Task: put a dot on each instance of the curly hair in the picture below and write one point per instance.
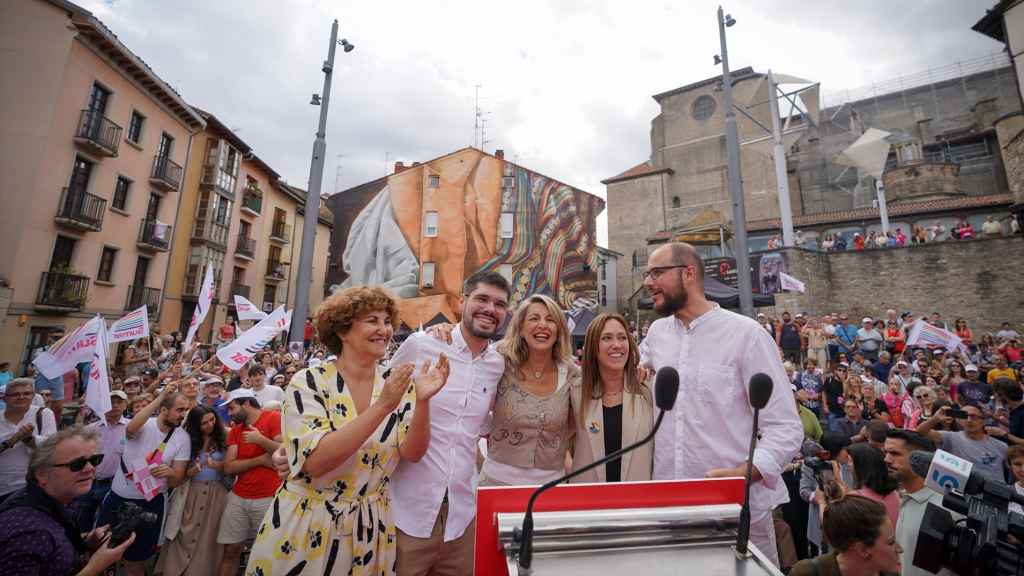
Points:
(336, 315)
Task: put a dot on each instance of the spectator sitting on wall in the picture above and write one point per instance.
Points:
(991, 228)
(840, 244)
(858, 242)
(901, 238)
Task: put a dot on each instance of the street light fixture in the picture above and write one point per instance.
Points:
(732, 145)
(348, 46)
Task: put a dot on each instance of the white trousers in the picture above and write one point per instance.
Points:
(762, 534)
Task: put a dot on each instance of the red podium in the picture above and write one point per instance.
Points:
(492, 501)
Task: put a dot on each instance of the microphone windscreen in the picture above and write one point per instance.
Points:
(666, 388)
(920, 462)
(760, 390)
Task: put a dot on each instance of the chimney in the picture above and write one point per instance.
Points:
(499, 154)
(399, 166)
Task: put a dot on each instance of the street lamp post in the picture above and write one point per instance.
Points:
(732, 145)
(316, 175)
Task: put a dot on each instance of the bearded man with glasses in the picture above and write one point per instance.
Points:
(38, 534)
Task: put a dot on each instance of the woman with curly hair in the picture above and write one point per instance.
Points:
(345, 426)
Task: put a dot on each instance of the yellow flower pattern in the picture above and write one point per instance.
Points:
(341, 523)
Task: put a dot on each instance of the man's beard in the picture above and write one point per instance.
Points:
(238, 418)
(470, 325)
(671, 304)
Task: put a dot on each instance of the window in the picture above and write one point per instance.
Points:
(507, 182)
(269, 296)
(676, 202)
(604, 296)
(703, 108)
(427, 275)
(433, 181)
(430, 224)
(506, 271)
(135, 127)
(106, 271)
(508, 221)
(166, 145)
(120, 200)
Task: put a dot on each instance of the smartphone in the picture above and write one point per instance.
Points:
(958, 414)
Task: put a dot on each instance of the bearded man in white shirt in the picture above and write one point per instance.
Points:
(716, 352)
(433, 501)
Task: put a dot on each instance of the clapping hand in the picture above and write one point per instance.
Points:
(395, 386)
(431, 379)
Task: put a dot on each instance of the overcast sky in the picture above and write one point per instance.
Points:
(566, 84)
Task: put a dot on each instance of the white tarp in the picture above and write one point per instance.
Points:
(868, 153)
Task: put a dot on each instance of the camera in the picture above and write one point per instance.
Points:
(127, 518)
(985, 541)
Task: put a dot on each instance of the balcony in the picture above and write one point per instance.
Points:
(281, 233)
(80, 210)
(276, 270)
(252, 202)
(166, 174)
(97, 134)
(154, 236)
(245, 248)
(62, 291)
(139, 296)
(239, 290)
(194, 280)
(212, 232)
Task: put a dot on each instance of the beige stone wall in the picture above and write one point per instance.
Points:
(635, 211)
(1010, 131)
(922, 181)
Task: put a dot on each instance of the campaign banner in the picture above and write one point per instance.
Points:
(247, 310)
(790, 283)
(132, 326)
(923, 333)
(202, 307)
(97, 388)
(69, 351)
(249, 343)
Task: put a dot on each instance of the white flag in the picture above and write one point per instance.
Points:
(97, 388)
(249, 343)
(790, 283)
(132, 326)
(69, 351)
(205, 300)
(923, 333)
(247, 310)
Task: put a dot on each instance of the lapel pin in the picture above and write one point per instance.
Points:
(594, 427)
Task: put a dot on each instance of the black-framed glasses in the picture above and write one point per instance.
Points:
(656, 272)
(78, 464)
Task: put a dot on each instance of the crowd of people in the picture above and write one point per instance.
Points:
(360, 456)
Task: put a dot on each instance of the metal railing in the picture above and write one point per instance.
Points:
(275, 270)
(211, 232)
(281, 232)
(252, 201)
(166, 173)
(245, 246)
(63, 290)
(240, 290)
(80, 209)
(98, 131)
(154, 234)
(139, 295)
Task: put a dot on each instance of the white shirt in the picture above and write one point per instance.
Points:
(711, 423)
(112, 442)
(14, 460)
(269, 393)
(146, 440)
(457, 416)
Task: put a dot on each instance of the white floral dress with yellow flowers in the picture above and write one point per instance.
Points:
(339, 523)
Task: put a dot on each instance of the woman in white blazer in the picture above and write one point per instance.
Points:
(612, 407)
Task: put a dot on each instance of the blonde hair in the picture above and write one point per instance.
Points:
(591, 380)
(514, 344)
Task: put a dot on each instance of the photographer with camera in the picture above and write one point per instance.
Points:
(863, 539)
(972, 443)
(156, 454)
(38, 532)
(821, 466)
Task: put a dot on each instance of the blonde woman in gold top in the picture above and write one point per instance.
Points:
(532, 427)
(612, 406)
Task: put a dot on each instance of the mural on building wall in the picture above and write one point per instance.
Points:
(552, 249)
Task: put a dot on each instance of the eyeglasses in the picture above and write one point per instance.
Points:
(656, 272)
(973, 417)
(20, 394)
(78, 464)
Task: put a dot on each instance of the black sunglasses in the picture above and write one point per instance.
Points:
(78, 464)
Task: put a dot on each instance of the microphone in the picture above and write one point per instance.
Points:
(943, 472)
(666, 388)
(760, 392)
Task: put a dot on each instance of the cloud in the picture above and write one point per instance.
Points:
(566, 84)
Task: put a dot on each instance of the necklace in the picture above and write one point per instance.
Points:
(537, 374)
